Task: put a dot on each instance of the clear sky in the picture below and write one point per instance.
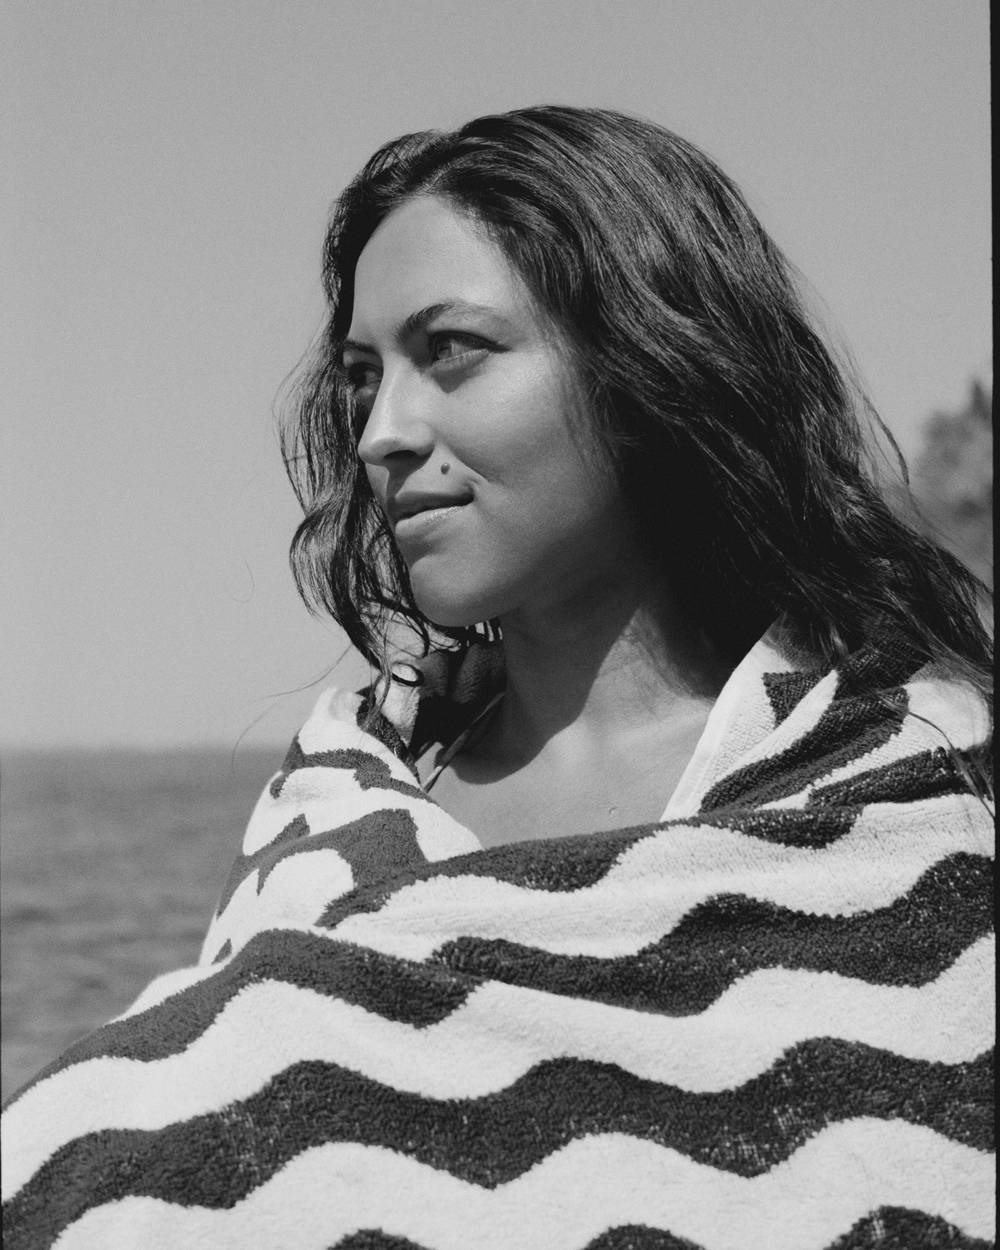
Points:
(171, 166)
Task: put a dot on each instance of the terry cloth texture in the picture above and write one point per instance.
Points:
(762, 1024)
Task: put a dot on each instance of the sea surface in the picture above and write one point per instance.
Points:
(111, 864)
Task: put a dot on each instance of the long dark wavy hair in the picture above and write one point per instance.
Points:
(736, 436)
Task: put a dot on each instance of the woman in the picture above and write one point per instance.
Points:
(691, 945)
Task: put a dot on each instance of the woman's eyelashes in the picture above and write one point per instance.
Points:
(360, 375)
(445, 351)
(447, 346)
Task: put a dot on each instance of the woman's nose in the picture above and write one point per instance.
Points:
(397, 424)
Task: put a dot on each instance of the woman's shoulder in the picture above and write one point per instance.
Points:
(880, 724)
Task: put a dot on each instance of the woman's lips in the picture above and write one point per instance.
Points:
(418, 524)
(405, 503)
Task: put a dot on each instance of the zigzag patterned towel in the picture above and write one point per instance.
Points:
(762, 1024)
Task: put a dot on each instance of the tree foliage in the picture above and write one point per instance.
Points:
(952, 480)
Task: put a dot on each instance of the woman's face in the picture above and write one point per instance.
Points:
(467, 419)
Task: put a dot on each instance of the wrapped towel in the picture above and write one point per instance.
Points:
(764, 1023)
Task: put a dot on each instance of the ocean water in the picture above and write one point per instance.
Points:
(111, 863)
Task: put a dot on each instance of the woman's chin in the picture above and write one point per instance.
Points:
(450, 610)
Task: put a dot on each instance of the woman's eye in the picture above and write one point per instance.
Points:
(362, 381)
(362, 377)
(449, 345)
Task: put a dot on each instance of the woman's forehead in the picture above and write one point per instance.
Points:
(425, 254)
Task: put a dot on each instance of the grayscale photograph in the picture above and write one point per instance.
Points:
(497, 648)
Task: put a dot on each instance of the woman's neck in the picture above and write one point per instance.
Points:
(598, 670)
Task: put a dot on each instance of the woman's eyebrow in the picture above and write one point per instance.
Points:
(419, 320)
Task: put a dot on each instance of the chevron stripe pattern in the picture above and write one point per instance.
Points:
(765, 1023)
